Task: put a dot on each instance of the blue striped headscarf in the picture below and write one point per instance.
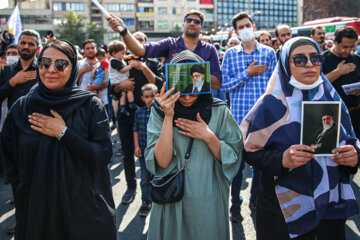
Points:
(319, 189)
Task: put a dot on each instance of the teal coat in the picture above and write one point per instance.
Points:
(203, 211)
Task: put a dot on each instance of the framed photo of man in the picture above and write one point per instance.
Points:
(188, 78)
(320, 126)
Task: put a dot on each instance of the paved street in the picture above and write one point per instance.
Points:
(132, 227)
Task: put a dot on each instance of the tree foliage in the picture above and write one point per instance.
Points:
(72, 29)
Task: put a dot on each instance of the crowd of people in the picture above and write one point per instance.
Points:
(58, 111)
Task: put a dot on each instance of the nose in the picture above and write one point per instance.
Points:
(51, 68)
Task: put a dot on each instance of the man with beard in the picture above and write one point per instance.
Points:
(342, 67)
(16, 79)
(318, 34)
(170, 47)
(88, 64)
(199, 81)
(325, 138)
(282, 34)
(246, 70)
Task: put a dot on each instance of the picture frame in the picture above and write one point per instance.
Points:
(188, 78)
(320, 126)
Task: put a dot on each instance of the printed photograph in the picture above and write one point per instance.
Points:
(320, 126)
(188, 78)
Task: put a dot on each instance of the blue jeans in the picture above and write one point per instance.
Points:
(236, 199)
(145, 181)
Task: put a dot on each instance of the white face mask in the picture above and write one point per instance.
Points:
(295, 83)
(246, 34)
(11, 59)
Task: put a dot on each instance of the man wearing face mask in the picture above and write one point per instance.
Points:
(12, 54)
(246, 70)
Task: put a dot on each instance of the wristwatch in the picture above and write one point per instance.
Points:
(62, 133)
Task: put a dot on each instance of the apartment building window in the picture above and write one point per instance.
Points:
(177, 24)
(146, 0)
(146, 9)
(129, 21)
(62, 6)
(146, 25)
(162, 24)
(162, 10)
(121, 7)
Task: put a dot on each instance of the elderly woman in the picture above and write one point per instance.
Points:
(56, 142)
(215, 156)
(301, 196)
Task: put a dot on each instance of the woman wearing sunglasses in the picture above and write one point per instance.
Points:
(301, 196)
(56, 142)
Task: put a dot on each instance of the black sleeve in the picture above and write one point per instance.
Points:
(8, 150)
(98, 147)
(5, 88)
(324, 67)
(117, 64)
(156, 68)
(269, 161)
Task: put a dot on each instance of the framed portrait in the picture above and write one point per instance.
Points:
(188, 78)
(320, 126)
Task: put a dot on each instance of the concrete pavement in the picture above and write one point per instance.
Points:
(133, 227)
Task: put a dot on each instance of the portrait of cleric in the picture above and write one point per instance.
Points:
(321, 130)
(199, 82)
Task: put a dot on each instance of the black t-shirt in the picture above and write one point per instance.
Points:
(116, 64)
(330, 63)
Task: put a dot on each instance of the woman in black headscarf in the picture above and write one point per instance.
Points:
(57, 144)
(215, 158)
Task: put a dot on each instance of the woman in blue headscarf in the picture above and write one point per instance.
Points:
(301, 196)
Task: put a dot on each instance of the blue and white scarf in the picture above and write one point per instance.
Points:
(319, 189)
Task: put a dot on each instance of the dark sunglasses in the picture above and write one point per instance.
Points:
(59, 64)
(301, 61)
(150, 96)
(189, 20)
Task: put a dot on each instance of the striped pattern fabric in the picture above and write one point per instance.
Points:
(319, 189)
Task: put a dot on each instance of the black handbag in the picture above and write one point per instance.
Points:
(170, 188)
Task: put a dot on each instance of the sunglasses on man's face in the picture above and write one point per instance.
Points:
(301, 61)
(60, 64)
(189, 20)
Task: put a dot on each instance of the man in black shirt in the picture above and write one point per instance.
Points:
(16, 79)
(144, 71)
(343, 67)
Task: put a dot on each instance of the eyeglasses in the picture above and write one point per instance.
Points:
(301, 61)
(60, 64)
(150, 96)
(12, 53)
(189, 20)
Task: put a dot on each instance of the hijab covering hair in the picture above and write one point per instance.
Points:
(202, 104)
(40, 99)
(320, 189)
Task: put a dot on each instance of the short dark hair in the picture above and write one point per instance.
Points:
(280, 26)
(264, 33)
(100, 52)
(313, 30)
(88, 41)
(2, 54)
(31, 32)
(347, 32)
(50, 33)
(195, 12)
(239, 17)
(64, 47)
(116, 46)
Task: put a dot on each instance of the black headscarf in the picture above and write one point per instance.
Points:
(202, 104)
(40, 99)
